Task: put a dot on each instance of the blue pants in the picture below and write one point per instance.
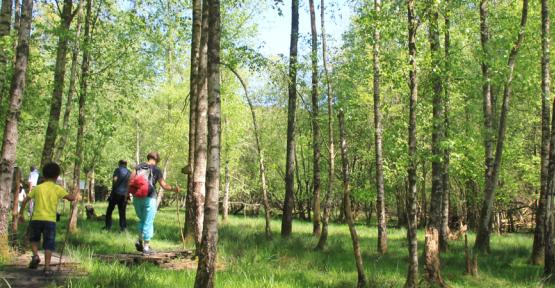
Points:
(145, 208)
(47, 230)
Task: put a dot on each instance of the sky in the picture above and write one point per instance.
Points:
(275, 30)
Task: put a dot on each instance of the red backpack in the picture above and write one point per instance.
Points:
(140, 184)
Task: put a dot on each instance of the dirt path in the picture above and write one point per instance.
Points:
(18, 274)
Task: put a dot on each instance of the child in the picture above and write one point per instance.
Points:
(43, 220)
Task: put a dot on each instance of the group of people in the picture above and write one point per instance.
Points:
(46, 195)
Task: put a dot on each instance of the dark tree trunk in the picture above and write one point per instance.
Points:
(82, 116)
(412, 276)
(444, 227)
(315, 126)
(380, 194)
(483, 235)
(289, 201)
(16, 189)
(207, 259)
(11, 137)
(201, 126)
(59, 80)
(347, 202)
(331, 152)
(72, 87)
(433, 225)
(193, 96)
(538, 249)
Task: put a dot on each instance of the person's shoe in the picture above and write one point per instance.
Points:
(48, 272)
(147, 250)
(34, 264)
(139, 245)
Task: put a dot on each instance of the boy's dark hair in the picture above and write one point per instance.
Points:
(51, 170)
(33, 168)
(122, 163)
(153, 155)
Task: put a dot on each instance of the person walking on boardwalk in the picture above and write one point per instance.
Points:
(33, 181)
(43, 221)
(143, 188)
(118, 197)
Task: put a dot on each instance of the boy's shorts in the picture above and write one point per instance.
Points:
(48, 231)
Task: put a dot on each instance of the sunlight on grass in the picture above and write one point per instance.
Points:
(252, 261)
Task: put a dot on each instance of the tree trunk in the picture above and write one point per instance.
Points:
(483, 235)
(16, 189)
(433, 224)
(193, 96)
(160, 196)
(5, 28)
(59, 80)
(444, 227)
(72, 87)
(538, 249)
(289, 201)
(10, 139)
(225, 204)
(331, 152)
(380, 194)
(347, 201)
(262, 168)
(137, 142)
(81, 122)
(316, 230)
(201, 126)
(207, 259)
(412, 276)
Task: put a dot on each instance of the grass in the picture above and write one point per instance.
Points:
(252, 261)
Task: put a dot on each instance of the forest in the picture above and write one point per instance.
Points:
(330, 143)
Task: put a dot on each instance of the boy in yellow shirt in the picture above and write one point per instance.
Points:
(43, 221)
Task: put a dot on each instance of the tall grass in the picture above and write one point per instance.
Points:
(250, 260)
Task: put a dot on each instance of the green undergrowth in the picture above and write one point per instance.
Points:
(250, 260)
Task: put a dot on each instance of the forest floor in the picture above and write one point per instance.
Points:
(247, 259)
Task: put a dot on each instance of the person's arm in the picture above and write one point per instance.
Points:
(72, 197)
(23, 205)
(168, 187)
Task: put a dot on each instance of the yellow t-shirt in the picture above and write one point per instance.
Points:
(46, 197)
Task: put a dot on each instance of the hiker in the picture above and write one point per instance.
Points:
(43, 221)
(120, 183)
(143, 187)
(32, 181)
(21, 197)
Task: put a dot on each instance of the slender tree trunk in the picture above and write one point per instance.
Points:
(201, 126)
(225, 201)
(412, 276)
(331, 152)
(539, 233)
(59, 80)
(444, 227)
(483, 235)
(10, 139)
(5, 28)
(81, 121)
(316, 230)
(193, 96)
(16, 189)
(433, 224)
(207, 259)
(160, 195)
(262, 168)
(72, 87)
(289, 201)
(380, 194)
(137, 142)
(347, 201)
